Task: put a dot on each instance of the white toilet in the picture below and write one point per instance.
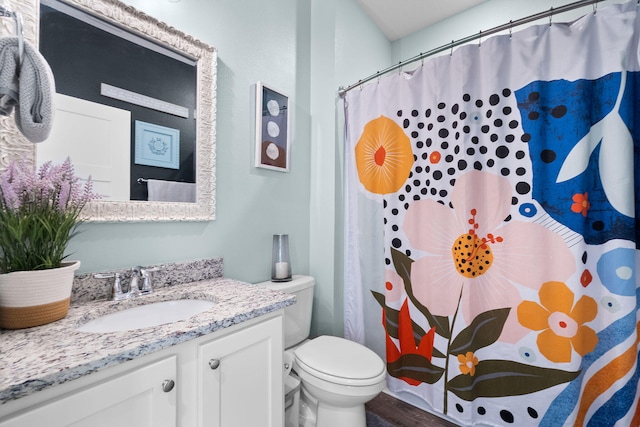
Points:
(338, 376)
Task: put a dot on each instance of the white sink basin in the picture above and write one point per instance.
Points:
(146, 316)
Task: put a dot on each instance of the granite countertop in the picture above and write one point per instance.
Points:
(37, 358)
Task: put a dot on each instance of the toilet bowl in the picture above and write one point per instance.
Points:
(337, 376)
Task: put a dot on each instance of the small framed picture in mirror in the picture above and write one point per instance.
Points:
(157, 145)
(272, 129)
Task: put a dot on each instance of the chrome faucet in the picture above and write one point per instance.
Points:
(144, 274)
(137, 273)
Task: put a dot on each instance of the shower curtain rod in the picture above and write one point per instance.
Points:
(454, 43)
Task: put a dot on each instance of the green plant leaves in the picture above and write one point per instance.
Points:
(416, 367)
(483, 331)
(500, 378)
(39, 212)
(34, 239)
(402, 263)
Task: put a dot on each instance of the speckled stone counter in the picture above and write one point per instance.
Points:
(37, 358)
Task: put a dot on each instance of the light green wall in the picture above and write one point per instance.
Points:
(344, 45)
(486, 15)
(256, 41)
(306, 49)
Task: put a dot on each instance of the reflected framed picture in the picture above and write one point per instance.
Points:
(157, 145)
(272, 129)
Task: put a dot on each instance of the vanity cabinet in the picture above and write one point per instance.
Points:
(138, 398)
(232, 377)
(240, 378)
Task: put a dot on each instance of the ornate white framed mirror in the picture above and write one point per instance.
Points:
(148, 31)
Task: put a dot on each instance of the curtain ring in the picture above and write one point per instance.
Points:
(399, 67)
(378, 74)
(511, 28)
(451, 53)
(595, 7)
(550, 16)
(480, 39)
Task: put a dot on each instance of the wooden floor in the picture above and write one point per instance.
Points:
(401, 414)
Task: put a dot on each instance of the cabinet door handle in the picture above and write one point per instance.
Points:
(214, 363)
(167, 385)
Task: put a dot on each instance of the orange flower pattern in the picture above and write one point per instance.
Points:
(580, 203)
(383, 156)
(561, 322)
(468, 363)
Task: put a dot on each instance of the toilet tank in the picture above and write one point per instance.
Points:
(297, 317)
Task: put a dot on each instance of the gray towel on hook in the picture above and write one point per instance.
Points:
(27, 88)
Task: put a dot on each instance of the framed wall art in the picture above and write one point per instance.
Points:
(272, 129)
(157, 145)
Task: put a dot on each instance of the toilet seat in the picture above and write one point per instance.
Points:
(340, 361)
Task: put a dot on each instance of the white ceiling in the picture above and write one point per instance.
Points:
(399, 18)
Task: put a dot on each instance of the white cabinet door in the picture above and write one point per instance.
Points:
(241, 378)
(133, 399)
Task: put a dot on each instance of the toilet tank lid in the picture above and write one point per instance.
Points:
(296, 283)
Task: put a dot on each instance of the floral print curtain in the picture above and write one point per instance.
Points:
(492, 226)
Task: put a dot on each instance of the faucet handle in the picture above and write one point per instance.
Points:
(116, 291)
(136, 275)
(145, 273)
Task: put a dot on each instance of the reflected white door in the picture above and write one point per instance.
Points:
(105, 155)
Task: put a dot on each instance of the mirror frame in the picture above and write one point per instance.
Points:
(13, 145)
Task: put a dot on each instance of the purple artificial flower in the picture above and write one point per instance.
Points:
(50, 187)
(39, 209)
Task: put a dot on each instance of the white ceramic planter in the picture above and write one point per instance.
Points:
(34, 298)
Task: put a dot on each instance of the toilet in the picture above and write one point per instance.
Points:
(337, 376)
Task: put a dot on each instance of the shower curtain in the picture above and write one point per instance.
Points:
(492, 225)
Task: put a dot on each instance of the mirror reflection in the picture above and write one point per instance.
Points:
(98, 136)
(125, 107)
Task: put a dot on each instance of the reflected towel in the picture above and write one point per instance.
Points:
(171, 191)
(28, 87)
